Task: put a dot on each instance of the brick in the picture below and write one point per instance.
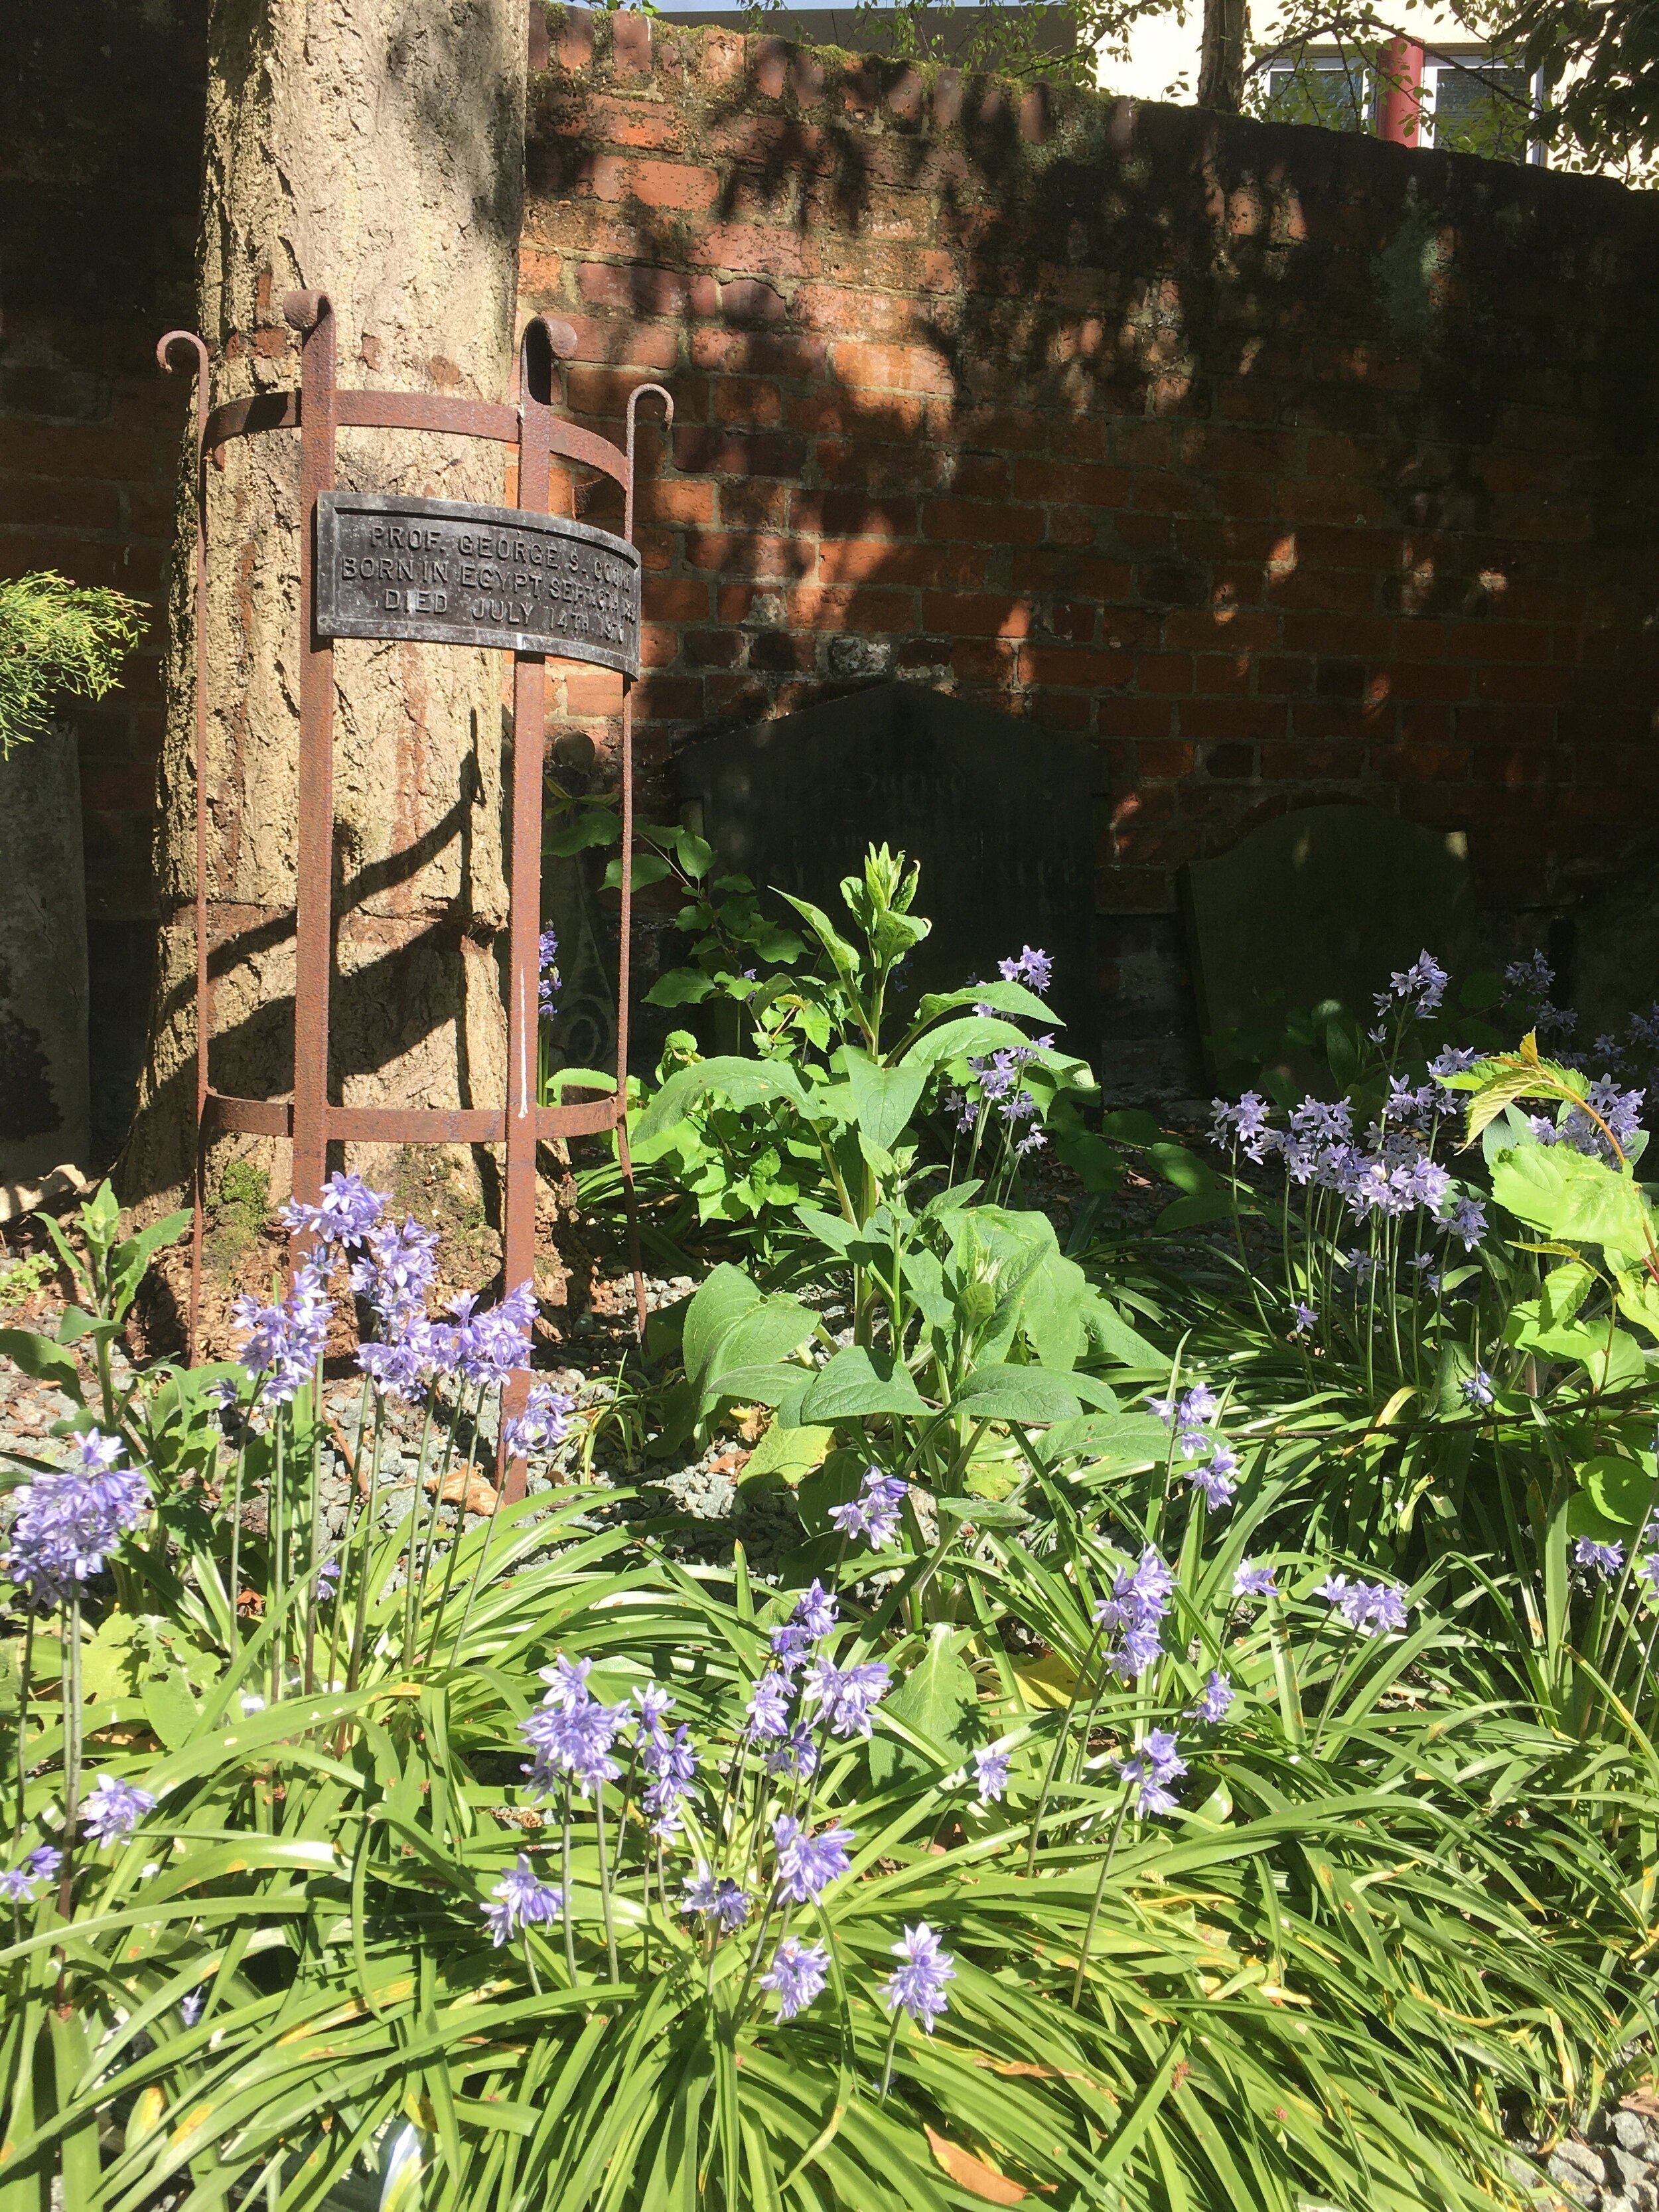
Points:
(853, 514)
(674, 186)
(631, 43)
(890, 368)
(641, 290)
(737, 453)
(1074, 666)
(674, 598)
(975, 614)
(49, 500)
(760, 353)
(652, 126)
(983, 521)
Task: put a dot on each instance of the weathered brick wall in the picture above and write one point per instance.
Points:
(100, 148)
(1292, 466)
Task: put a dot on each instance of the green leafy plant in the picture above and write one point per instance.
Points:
(57, 637)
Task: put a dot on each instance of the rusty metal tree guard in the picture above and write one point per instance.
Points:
(539, 586)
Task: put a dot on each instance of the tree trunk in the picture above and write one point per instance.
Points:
(1221, 61)
(376, 153)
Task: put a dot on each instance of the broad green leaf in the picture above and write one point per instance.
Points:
(1027, 1394)
(1113, 1442)
(42, 1360)
(172, 1710)
(842, 958)
(855, 1383)
(968, 1038)
(1184, 1168)
(1006, 998)
(648, 868)
(734, 1082)
(1615, 1495)
(721, 1299)
(791, 1453)
(681, 986)
(593, 825)
(938, 1699)
(759, 1337)
(757, 1386)
(1570, 1196)
(883, 1098)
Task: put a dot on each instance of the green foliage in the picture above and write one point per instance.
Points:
(57, 637)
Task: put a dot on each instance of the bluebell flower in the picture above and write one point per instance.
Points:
(1306, 1319)
(1216, 1700)
(769, 1706)
(1466, 1220)
(918, 1987)
(114, 1809)
(792, 1646)
(1034, 968)
(719, 1899)
(807, 1864)
(542, 1426)
(571, 1732)
(190, 2006)
(1455, 1059)
(798, 1754)
(521, 1901)
(874, 1513)
(817, 1611)
(1149, 1769)
(1604, 1559)
(44, 1861)
(671, 1762)
(68, 1521)
(1477, 1389)
(1421, 987)
(1245, 1125)
(547, 973)
(990, 1774)
(1135, 1613)
(849, 1695)
(18, 1886)
(1368, 1607)
(285, 1341)
(347, 1213)
(798, 1972)
(1250, 1581)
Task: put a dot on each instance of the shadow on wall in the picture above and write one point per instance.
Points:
(1290, 468)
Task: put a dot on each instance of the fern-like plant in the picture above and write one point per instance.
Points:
(57, 636)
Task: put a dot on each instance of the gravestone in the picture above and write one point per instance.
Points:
(1000, 814)
(1323, 903)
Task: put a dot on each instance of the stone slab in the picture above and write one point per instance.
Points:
(1001, 814)
(1324, 903)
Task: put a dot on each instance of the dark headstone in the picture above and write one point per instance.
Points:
(1324, 903)
(1001, 816)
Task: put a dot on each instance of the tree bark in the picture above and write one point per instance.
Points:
(1221, 59)
(375, 153)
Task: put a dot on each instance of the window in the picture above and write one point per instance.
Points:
(1335, 91)
(1475, 105)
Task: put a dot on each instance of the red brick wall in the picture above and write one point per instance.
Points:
(101, 143)
(1293, 466)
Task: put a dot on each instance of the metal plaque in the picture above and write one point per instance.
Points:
(439, 570)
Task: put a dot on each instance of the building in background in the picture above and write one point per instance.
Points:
(1439, 87)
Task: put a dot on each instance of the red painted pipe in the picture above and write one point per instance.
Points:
(1401, 116)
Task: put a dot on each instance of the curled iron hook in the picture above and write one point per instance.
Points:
(639, 392)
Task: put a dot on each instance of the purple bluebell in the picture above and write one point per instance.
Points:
(345, 1217)
(522, 1902)
(396, 1274)
(1306, 1319)
(990, 1774)
(285, 1341)
(654, 1703)
(1477, 1389)
(571, 1732)
(798, 1754)
(1034, 968)
(716, 1898)
(1033, 1141)
(1250, 1580)
(1149, 1769)
(1217, 1701)
(18, 1886)
(1421, 987)
(798, 1972)
(807, 1864)
(1368, 1607)
(769, 1706)
(490, 1347)
(1466, 1220)
(961, 1111)
(1213, 1478)
(547, 973)
(1604, 1559)
(1455, 1059)
(190, 2006)
(671, 1765)
(45, 1860)
(114, 1809)
(68, 1521)
(817, 1611)
(543, 1426)
(918, 1987)
(874, 1513)
(848, 1695)
(328, 1580)
(1135, 1613)
(792, 1646)
(1245, 1125)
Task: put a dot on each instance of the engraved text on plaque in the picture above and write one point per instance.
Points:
(455, 574)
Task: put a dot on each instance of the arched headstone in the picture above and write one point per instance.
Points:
(1001, 815)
